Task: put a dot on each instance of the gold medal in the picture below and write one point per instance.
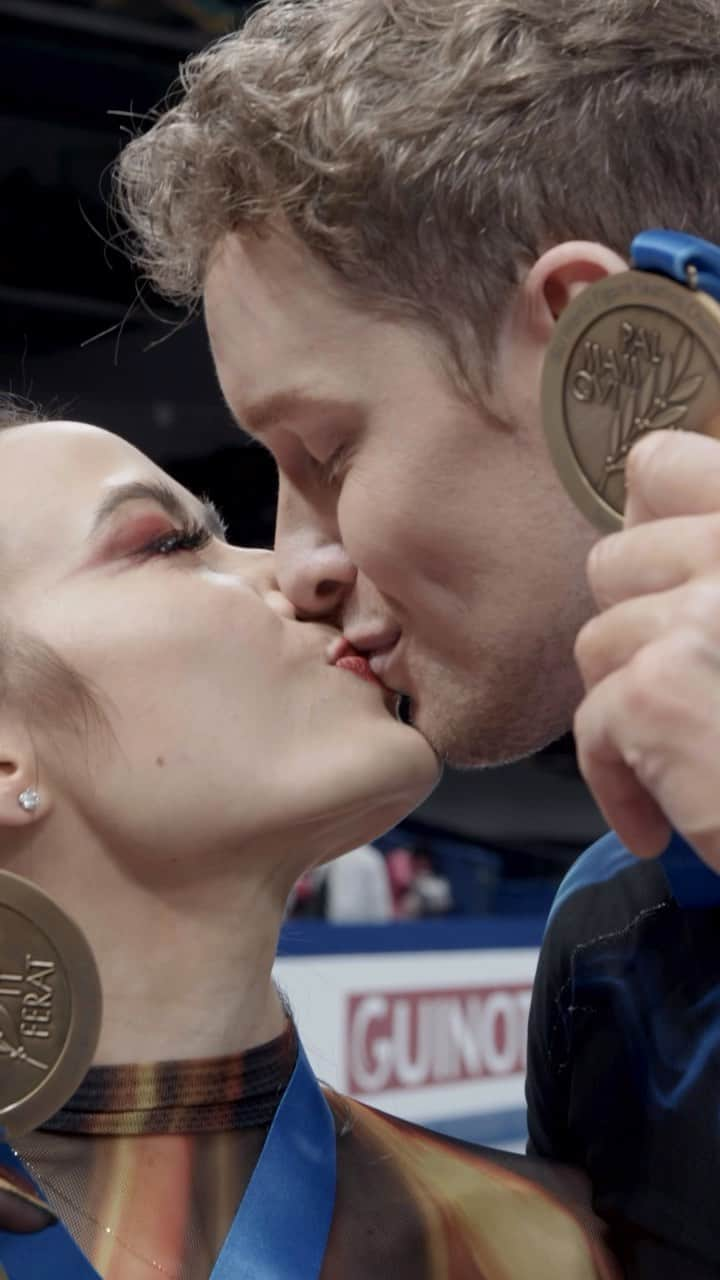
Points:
(50, 1006)
(634, 353)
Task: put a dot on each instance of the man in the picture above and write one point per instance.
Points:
(386, 207)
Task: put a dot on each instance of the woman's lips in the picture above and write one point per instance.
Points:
(360, 667)
(343, 654)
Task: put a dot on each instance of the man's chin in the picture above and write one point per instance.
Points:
(456, 741)
(449, 741)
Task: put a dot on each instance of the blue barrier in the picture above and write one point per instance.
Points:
(454, 933)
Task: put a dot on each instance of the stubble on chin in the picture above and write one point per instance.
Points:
(480, 728)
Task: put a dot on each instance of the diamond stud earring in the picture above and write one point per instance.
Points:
(29, 799)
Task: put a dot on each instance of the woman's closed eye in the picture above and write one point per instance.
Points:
(144, 534)
(192, 536)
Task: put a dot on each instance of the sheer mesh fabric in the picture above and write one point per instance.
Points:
(147, 1164)
(410, 1205)
(141, 1208)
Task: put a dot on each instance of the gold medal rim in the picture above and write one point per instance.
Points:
(83, 979)
(696, 310)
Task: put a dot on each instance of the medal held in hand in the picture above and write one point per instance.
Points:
(50, 1006)
(634, 353)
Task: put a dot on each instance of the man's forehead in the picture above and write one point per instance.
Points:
(293, 407)
(269, 383)
(282, 334)
(268, 300)
(268, 372)
(274, 264)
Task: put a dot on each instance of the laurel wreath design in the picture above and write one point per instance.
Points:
(661, 403)
(9, 1044)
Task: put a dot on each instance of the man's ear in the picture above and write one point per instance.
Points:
(18, 774)
(558, 276)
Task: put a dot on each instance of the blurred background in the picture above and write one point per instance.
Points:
(410, 963)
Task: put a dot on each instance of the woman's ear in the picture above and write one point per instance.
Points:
(558, 276)
(21, 800)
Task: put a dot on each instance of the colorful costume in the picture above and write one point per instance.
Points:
(146, 1167)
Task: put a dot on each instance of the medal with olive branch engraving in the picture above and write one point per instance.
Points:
(50, 1006)
(634, 353)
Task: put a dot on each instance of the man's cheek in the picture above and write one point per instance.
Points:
(377, 536)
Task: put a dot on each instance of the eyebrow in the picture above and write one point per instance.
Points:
(163, 496)
(283, 406)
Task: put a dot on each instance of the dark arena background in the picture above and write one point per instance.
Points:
(476, 867)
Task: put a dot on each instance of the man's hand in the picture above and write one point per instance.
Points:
(648, 731)
(21, 1210)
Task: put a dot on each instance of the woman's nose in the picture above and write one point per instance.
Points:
(263, 578)
(280, 604)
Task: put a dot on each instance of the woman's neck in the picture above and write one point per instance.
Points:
(202, 987)
(185, 972)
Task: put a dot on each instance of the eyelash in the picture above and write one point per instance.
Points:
(192, 536)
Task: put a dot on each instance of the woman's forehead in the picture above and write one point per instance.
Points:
(64, 436)
(52, 477)
(62, 462)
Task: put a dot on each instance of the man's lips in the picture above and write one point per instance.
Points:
(380, 662)
(368, 643)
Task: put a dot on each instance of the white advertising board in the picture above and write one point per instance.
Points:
(435, 1037)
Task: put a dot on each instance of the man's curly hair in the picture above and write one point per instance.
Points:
(428, 150)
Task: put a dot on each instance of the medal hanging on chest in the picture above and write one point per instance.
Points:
(282, 1224)
(50, 1011)
(50, 1006)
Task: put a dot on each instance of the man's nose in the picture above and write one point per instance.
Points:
(313, 568)
(315, 576)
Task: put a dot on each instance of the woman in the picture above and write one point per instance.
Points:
(175, 749)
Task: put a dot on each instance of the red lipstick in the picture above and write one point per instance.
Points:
(360, 667)
(350, 660)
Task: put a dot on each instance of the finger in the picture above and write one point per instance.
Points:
(611, 639)
(627, 805)
(21, 1209)
(673, 473)
(653, 557)
(648, 741)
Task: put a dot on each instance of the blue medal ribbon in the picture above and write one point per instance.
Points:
(281, 1228)
(692, 262)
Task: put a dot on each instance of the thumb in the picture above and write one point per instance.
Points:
(21, 1208)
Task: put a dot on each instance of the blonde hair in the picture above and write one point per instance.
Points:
(428, 150)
